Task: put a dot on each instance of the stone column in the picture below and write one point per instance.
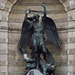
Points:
(3, 39)
(5, 7)
(71, 38)
(70, 9)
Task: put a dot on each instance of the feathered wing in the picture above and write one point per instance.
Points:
(51, 31)
(26, 35)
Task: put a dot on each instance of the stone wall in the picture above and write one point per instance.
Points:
(70, 9)
(11, 18)
(5, 7)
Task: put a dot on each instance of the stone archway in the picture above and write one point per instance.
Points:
(5, 9)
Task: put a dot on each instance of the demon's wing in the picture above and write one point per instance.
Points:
(26, 35)
(51, 31)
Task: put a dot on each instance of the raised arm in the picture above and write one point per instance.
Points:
(26, 14)
(45, 12)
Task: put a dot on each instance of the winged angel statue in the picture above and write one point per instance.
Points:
(33, 29)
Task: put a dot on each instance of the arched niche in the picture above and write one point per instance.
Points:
(16, 16)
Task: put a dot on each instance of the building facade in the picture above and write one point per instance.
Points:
(12, 14)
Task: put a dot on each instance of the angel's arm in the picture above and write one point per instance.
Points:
(45, 12)
(28, 18)
(26, 14)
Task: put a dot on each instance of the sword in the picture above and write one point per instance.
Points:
(35, 11)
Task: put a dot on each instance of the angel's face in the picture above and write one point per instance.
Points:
(36, 17)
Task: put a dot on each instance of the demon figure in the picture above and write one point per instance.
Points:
(33, 29)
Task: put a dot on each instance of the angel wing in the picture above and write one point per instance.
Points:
(51, 31)
(26, 34)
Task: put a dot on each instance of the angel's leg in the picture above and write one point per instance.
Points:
(36, 55)
(34, 42)
(44, 50)
(43, 46)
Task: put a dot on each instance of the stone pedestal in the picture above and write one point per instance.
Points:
(34, 72)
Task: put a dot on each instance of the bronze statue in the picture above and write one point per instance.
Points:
(35, 29)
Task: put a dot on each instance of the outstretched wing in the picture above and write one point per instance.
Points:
(26, 35)
(51, 31)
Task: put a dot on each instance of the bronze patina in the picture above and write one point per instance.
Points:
(33, 29)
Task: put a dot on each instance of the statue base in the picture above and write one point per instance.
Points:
(34, 72)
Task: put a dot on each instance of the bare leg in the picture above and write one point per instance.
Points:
(43, 46)
(36, 55)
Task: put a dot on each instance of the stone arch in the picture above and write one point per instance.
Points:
(4, 5)
(8, 4)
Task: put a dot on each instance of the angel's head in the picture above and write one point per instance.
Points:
(36, 17)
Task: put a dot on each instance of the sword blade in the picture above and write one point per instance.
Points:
(36, 11)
